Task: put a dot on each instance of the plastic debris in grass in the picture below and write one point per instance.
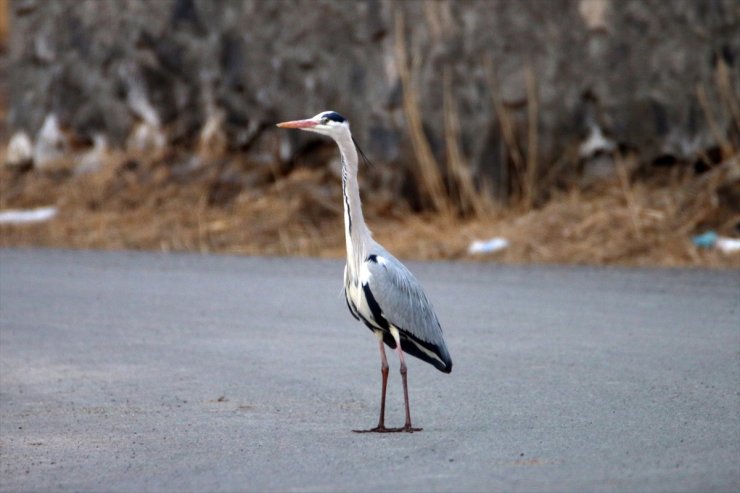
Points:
(728, 245)
(705, 240)
(479, 247)
(711, 239)
(28, 216)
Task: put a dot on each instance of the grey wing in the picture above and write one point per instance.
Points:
(402, 302)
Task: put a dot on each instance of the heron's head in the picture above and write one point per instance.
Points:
(328, 123)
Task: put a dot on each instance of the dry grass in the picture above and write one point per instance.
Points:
(4, 23)
(640, 224)
(470, 200)
(140, 204)
(530, 188)
(428, 170)
(133, 204)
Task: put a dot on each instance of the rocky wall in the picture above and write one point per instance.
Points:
(553, 72)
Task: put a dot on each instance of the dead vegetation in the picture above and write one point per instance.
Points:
(135, 203)
(209, 201)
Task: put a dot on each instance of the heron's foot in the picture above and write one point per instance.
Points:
(379, 429)
(383, 429)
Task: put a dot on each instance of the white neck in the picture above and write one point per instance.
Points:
(356, 234)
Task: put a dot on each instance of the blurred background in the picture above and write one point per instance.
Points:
(558, 131)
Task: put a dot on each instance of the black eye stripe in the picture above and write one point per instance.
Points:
(333, 116)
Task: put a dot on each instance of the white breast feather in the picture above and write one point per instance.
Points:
(357, 295)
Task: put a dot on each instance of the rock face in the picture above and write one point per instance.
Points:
(546, 72)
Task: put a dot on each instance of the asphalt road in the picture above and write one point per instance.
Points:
(147, 372)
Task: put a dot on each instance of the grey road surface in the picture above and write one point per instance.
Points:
(153, 372)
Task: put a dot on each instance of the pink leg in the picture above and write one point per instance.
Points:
(407, 427)
(384, 375)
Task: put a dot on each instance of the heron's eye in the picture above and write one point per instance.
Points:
(324, 121)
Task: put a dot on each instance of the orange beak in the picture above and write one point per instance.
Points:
(298, 124)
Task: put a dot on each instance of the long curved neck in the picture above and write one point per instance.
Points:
(356, 233)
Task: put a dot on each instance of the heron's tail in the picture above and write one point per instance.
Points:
(446, 359)
(436, 355)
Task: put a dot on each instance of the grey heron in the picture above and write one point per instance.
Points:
(380, 291)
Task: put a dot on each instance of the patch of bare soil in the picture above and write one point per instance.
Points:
(168, 204)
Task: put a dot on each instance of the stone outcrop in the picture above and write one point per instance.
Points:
(650, 74)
